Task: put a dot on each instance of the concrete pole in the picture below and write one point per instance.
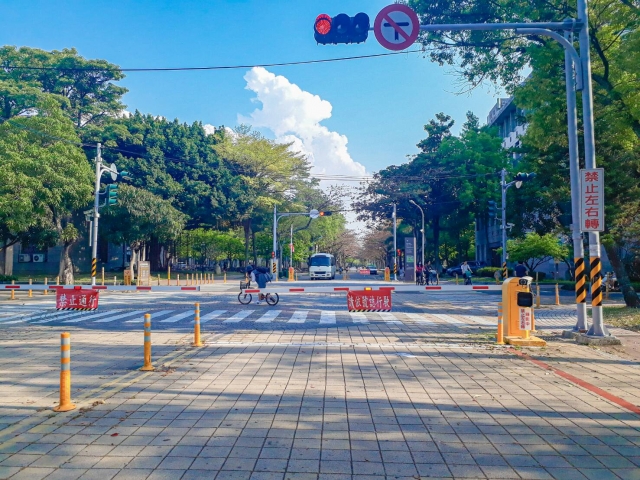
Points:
(96, 214)
(274, 258)
(597, 328)
(395, 246)
(503, 187)
(574, 163)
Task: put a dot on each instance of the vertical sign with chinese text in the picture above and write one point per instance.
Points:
(525, 318)
(592, 200)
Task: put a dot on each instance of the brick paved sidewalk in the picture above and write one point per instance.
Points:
(338, 403)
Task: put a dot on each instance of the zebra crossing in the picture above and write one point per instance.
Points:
(168, 318)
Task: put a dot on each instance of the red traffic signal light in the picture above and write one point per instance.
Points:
(323, 24)
(341, 29)
(325, 214)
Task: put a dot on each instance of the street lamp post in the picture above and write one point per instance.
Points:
(422, 213)
(504, 186)
(395, 246)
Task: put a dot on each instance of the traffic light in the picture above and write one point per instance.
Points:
(523, 177)
(493, 209)
(325, 214)
(399, 252)
(125, 175)
(112, 194)
(341, 29)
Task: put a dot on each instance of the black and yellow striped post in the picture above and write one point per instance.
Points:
(147, 367)
(94, 267)
(505, 271)
(65, 374)
(596, 282)
(581, 281)
(196, 328)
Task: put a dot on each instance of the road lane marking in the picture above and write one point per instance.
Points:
(120, 317)
(238, 317)
(212, 315)
(448, 319)
(359, 317)
(177, 318)
(328, 318)
(299, 316)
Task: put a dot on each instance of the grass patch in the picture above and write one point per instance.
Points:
(622, 317)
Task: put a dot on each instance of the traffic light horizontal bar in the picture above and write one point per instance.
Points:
(571, 25)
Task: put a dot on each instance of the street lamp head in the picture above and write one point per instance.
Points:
(412, 201)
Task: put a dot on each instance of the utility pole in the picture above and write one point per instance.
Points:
(96, 216)
(597, 327)
(395, 245)
(422, 213)
(574, 172)
(274, 255)
(291, 246)
(503, 187)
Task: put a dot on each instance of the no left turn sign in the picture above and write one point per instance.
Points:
(396, 27)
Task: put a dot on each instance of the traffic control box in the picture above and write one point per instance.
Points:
(517, 305)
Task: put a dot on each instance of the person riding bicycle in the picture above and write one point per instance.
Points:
(419, 273)
(262, 277)
(427, 272)
(466, 273)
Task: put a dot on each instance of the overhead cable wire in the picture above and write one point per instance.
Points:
(216, 67)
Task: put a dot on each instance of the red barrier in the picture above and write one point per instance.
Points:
(76, 299)
(369, 300)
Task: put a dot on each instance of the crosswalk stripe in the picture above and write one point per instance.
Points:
(327, 318)
(82, 316)
(213, 315)
(269, 317)
(178, 317)
(120, 317)
(299, 316)
(49, 317)
(448, 319)
(154, 315)
(238, 317)
(358, 317)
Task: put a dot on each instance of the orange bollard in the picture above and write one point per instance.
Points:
(65, 374)
(178, 280)
(46, 282)
(196, 328)
(557, 294)
(147, 367)
(225, 277)
(538, 299)
(13, 292)
(30, 291)
(500, 334)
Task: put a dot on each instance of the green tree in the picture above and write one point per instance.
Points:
(536, 249)
(44, 178)
(138, 217)
(500, 56)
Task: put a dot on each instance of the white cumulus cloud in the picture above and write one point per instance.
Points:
(294, 116)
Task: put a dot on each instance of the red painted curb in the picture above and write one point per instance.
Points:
(581, 383)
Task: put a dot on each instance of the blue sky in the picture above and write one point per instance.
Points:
(379, 105)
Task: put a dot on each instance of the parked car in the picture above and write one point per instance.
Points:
(457, 270)
(373, 270)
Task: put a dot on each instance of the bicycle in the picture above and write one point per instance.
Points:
(433, 277)
(245, 298)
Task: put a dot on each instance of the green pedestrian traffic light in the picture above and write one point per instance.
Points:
(112, 194)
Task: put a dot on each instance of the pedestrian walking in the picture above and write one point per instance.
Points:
(466, 273)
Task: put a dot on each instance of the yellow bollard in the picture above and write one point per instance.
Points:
(115, 280)
(30, 291)
(213, 278)
(557, 294)
(13, 292)
(46, 282)
(533, 320)
(225, 277)
(65, 374)
(103, 276)
(538, 300)
(57, 280)
(196, 328)
(178, 280)
(147, 367)
(168, 273)
(500, 334)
